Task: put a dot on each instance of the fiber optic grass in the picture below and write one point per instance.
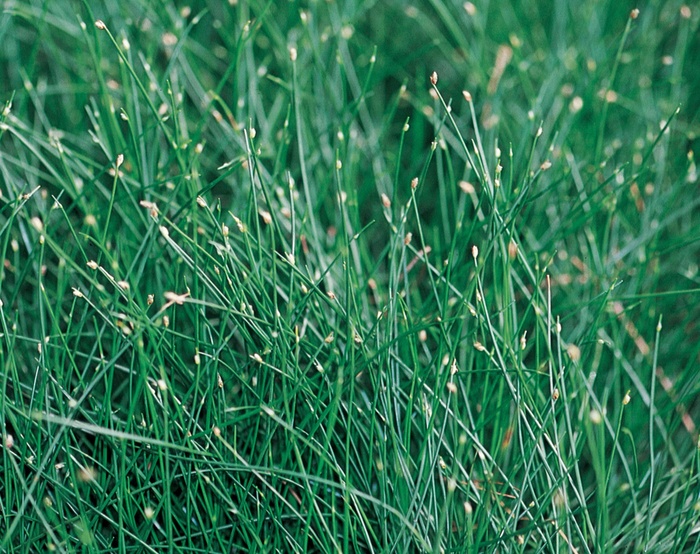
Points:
(349, 277)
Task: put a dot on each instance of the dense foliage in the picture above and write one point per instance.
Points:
(358, 276)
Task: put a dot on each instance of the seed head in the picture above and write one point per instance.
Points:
(433, 78)
(469, 8)
(100, 25)
(467, 187)
(574, 352)
(266, 216)
(512, 249)
(634, 14)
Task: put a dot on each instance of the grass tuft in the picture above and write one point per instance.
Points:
(349, 277)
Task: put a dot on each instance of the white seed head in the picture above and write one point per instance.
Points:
(266, 216)
(574, 352)
(100, 25)
(433, 78)
(576, 104)
(469, 8)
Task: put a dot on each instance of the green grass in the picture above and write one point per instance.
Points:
(266, 288)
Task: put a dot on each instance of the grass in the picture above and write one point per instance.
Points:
(349, 277)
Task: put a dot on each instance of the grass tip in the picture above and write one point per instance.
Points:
(469, 8)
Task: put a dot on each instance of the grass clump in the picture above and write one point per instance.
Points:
(349, 277)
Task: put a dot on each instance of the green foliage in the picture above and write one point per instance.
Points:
(271, 284)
